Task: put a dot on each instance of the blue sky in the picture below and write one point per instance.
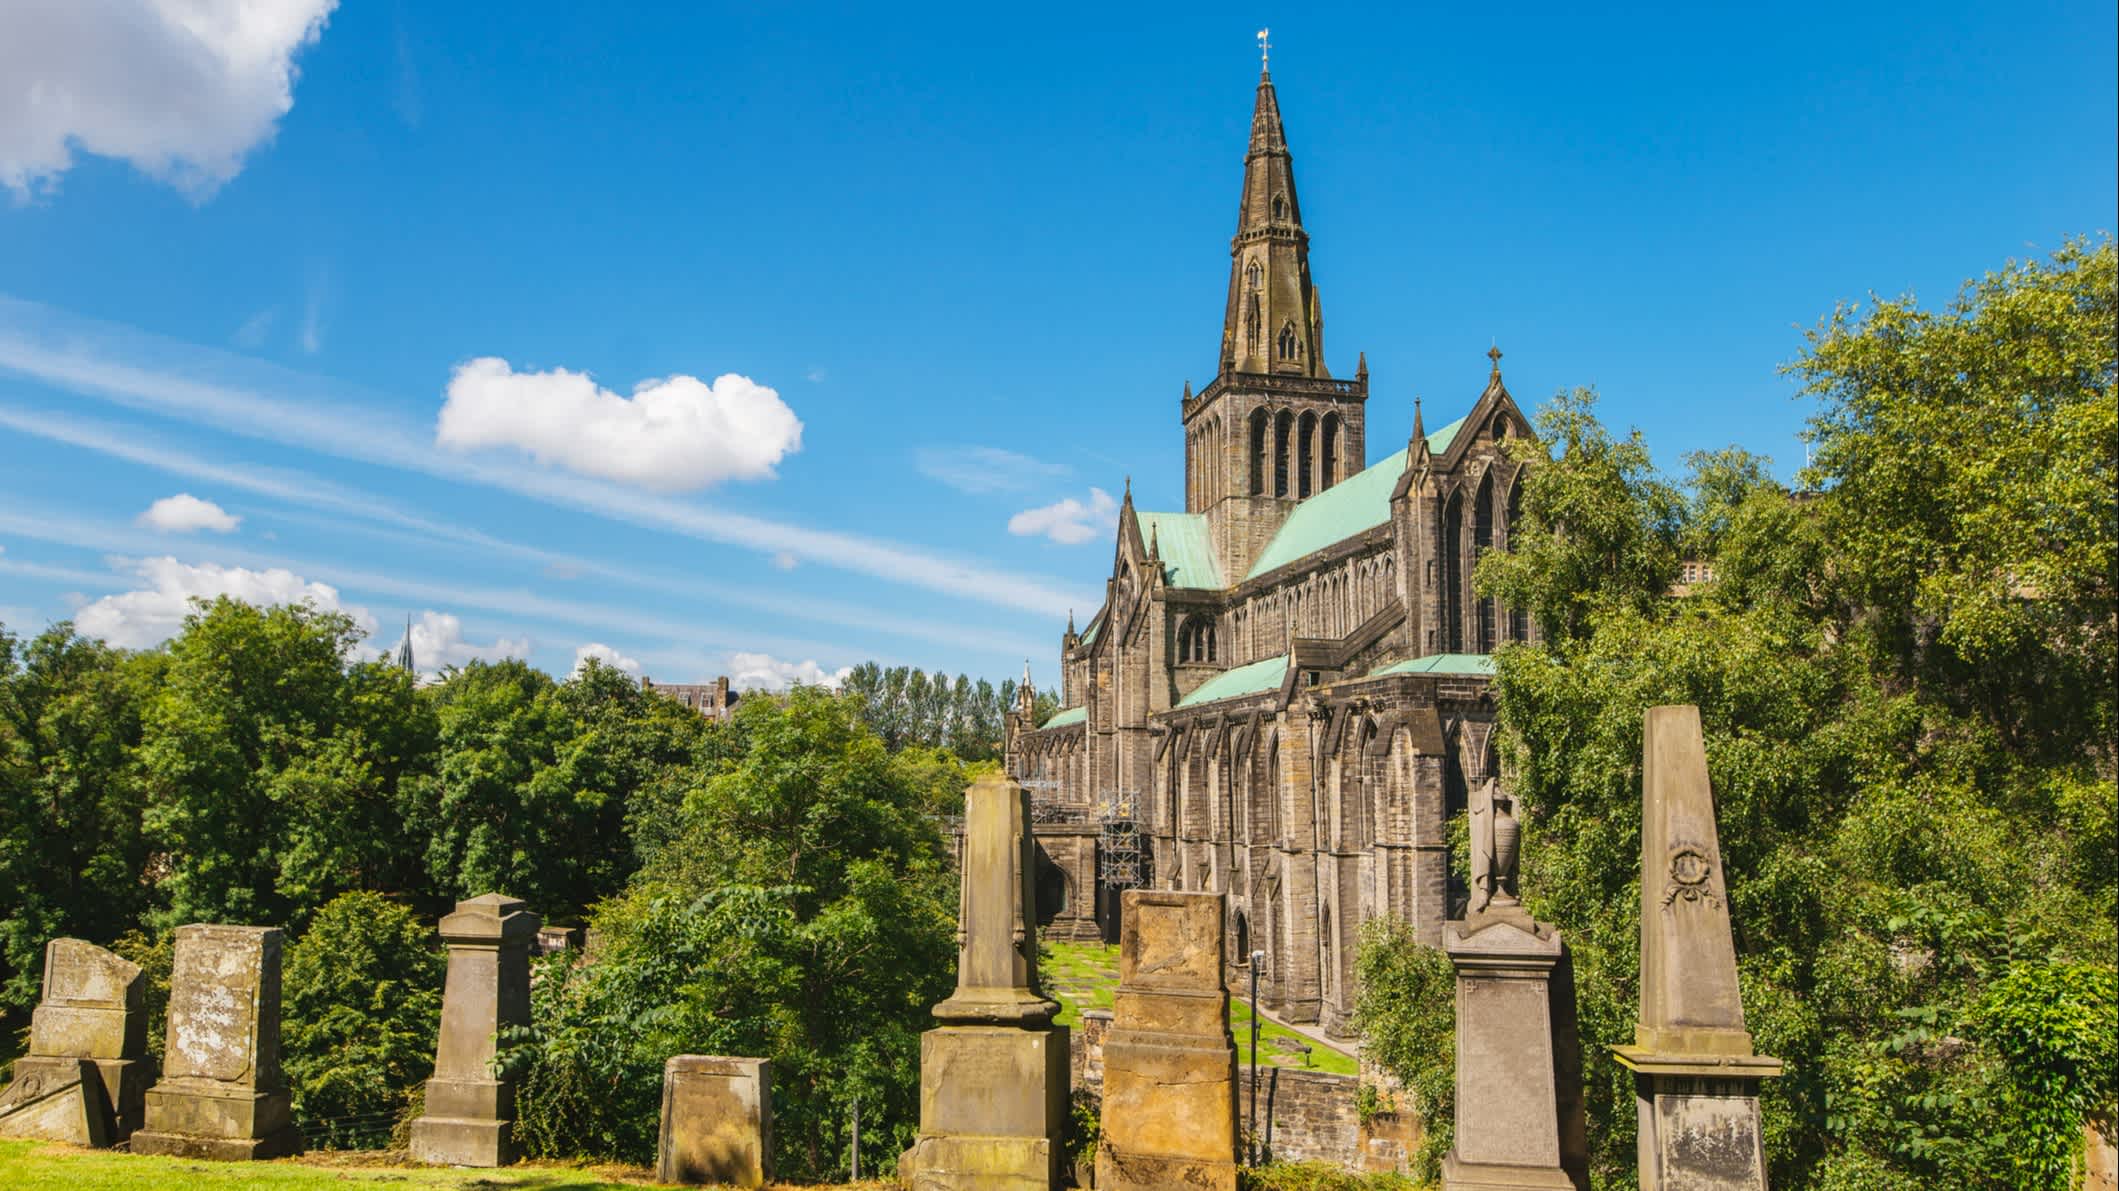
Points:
(974, 252)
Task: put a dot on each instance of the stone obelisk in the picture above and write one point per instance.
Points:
(993, 1076)
(1696, 1077)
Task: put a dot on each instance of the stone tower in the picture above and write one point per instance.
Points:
(1273, 428)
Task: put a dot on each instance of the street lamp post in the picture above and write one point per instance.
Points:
(1258, 959)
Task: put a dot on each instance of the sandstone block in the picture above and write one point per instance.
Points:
(717, 1121)
(1169, 1115)
(92, 1009)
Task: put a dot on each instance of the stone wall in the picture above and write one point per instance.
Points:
(1304, 1116)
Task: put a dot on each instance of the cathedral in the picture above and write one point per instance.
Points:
(1286, 694)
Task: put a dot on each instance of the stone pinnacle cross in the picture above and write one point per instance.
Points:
(1265, 50)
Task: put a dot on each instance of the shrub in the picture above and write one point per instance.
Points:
(361, 1006)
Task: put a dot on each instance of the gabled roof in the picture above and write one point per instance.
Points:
(1440, 663)
(1360, 502)
(1066, 716)
(1186, 548)
(1263, 675)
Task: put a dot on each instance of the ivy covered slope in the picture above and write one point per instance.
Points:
(1905, 670)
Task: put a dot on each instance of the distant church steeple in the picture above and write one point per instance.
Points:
(404, 652)
(1274, 322)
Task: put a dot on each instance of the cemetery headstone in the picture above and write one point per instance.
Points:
(993, 1076)
(470, 1111)
(717, 1121)
(1696, 1077)
(222, 1094)
(1169, 1112)
(91, 1012)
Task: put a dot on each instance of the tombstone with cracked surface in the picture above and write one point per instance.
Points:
(717, 1121)
(222, 1094)
(91, 1012)
(1696, 1076)
(993, 1076)
(470, 1114)
(1169, 1113)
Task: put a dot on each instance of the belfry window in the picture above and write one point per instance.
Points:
(1288, 344)
(1251, 274)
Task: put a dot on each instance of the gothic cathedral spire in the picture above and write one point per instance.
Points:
(1274, 323)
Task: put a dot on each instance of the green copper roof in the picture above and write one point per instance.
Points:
(1065, 716)
(1243, 680)
(1440, 663)
(1361, 501)
(1187, 551)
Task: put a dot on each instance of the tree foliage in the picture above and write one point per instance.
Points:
(1905, 678)
(908, 707)
(805, 915)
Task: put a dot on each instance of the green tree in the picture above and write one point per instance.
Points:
(361, 1007)
(806, 916)
(72, 851)
(1406, 1011)
(275, 772)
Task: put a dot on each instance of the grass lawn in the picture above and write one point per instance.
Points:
(43, 1166)
(1083, 976)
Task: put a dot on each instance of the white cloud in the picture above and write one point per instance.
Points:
(1070, 522)
(674, 433)
(785, 561)
(182, 89)
(154, 613)
(980, 470)
(185, 513)
(759, 671)
(608, 656)
(438, 642)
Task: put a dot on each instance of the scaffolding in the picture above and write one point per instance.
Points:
(1118, 846)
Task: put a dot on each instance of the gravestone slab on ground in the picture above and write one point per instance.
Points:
(717, 1121)
(1169, 1111)
(56, 1100)
(1696, 1076)
(993, 1077)
(470, 1114)
(222, 1094)
(91, 1009)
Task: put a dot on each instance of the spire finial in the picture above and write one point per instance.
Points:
(1361, 369)
(1494, 353)
(1265, 51)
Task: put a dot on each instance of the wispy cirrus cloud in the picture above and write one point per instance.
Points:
(361, 512)
(229, 393)
(980, 470)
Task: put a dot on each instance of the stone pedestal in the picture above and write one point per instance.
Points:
(993, 1078)
(1696, 1076)
(92, 1009)
(1508, 1064)
(470, 1116)
(717, 1121)
(222, 1095)
(1169, 1113)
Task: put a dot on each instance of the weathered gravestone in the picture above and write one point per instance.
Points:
(85, 1077)
(221, 1095)
(1519, 1071)
(1696, 1076)
(717, 1121)
(993, 1078)
(1169, 1112)
(470, 1112)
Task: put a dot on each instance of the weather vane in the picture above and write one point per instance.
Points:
(1265, 48)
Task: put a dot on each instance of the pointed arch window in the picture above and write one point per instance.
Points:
(1280, 206)
(1258, 452)
(1289, 345)
(1329, 458)
(1306, 455)
(1482, 541)
(1251, 275)
(1251, 323)
(1283, 428)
